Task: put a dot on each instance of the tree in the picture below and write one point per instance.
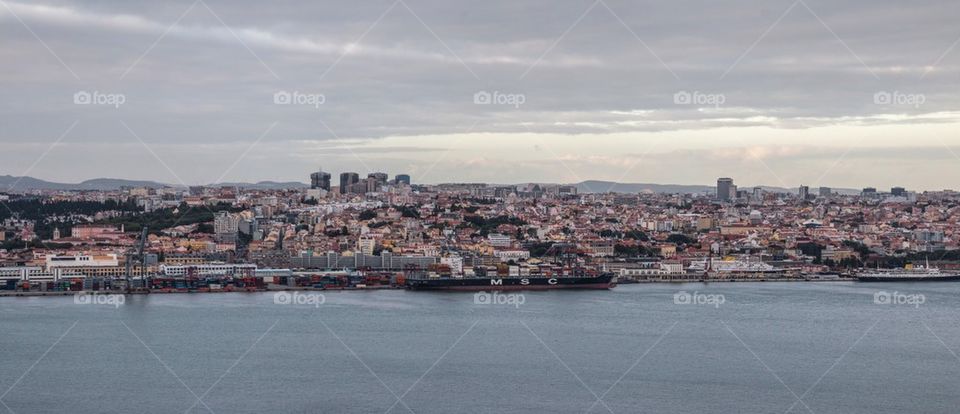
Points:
(539, 249)
(636, 235)
(409, 211)
(488, 225)
(204, 228)
(850, 262)
(633, 250)
(811, 249)
(860, 248)
(610, 234)
(678, 238)
(161, 219)
(367, 215)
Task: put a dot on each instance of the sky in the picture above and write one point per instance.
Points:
(783, 93)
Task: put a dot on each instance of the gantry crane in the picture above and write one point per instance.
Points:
(138, 256)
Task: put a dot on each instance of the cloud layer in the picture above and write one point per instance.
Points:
(727, 82)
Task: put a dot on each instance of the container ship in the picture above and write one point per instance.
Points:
(908, 274)
(498, 283)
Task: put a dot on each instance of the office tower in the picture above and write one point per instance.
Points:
(379, 177)
(320, 180)
(804, 192)
(402, 178)
(372, 184)
(348, 179)
(725, 189)
(868, 192)
(359, 187)
(898, 192)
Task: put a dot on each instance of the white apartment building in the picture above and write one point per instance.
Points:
(508, 255)
(499, 240)
(213, 269)
(82, 261)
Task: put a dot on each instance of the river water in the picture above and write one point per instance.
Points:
(833, 347)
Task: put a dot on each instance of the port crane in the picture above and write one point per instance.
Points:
(563, 253)
(137, 255)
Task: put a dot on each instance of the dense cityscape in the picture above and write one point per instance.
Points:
(504, 206)
(375, 231)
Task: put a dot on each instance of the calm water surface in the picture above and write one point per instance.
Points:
(738, 348)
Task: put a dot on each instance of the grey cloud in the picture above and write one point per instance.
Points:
(200, 84)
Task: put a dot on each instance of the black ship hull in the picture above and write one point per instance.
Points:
(603, 281)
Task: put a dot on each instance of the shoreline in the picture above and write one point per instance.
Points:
(338, 289)
(189, 291)
(739, 280)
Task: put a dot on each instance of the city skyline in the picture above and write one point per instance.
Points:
(213, 91)
(308, 183)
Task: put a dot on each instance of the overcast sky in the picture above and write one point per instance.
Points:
(816, 92)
